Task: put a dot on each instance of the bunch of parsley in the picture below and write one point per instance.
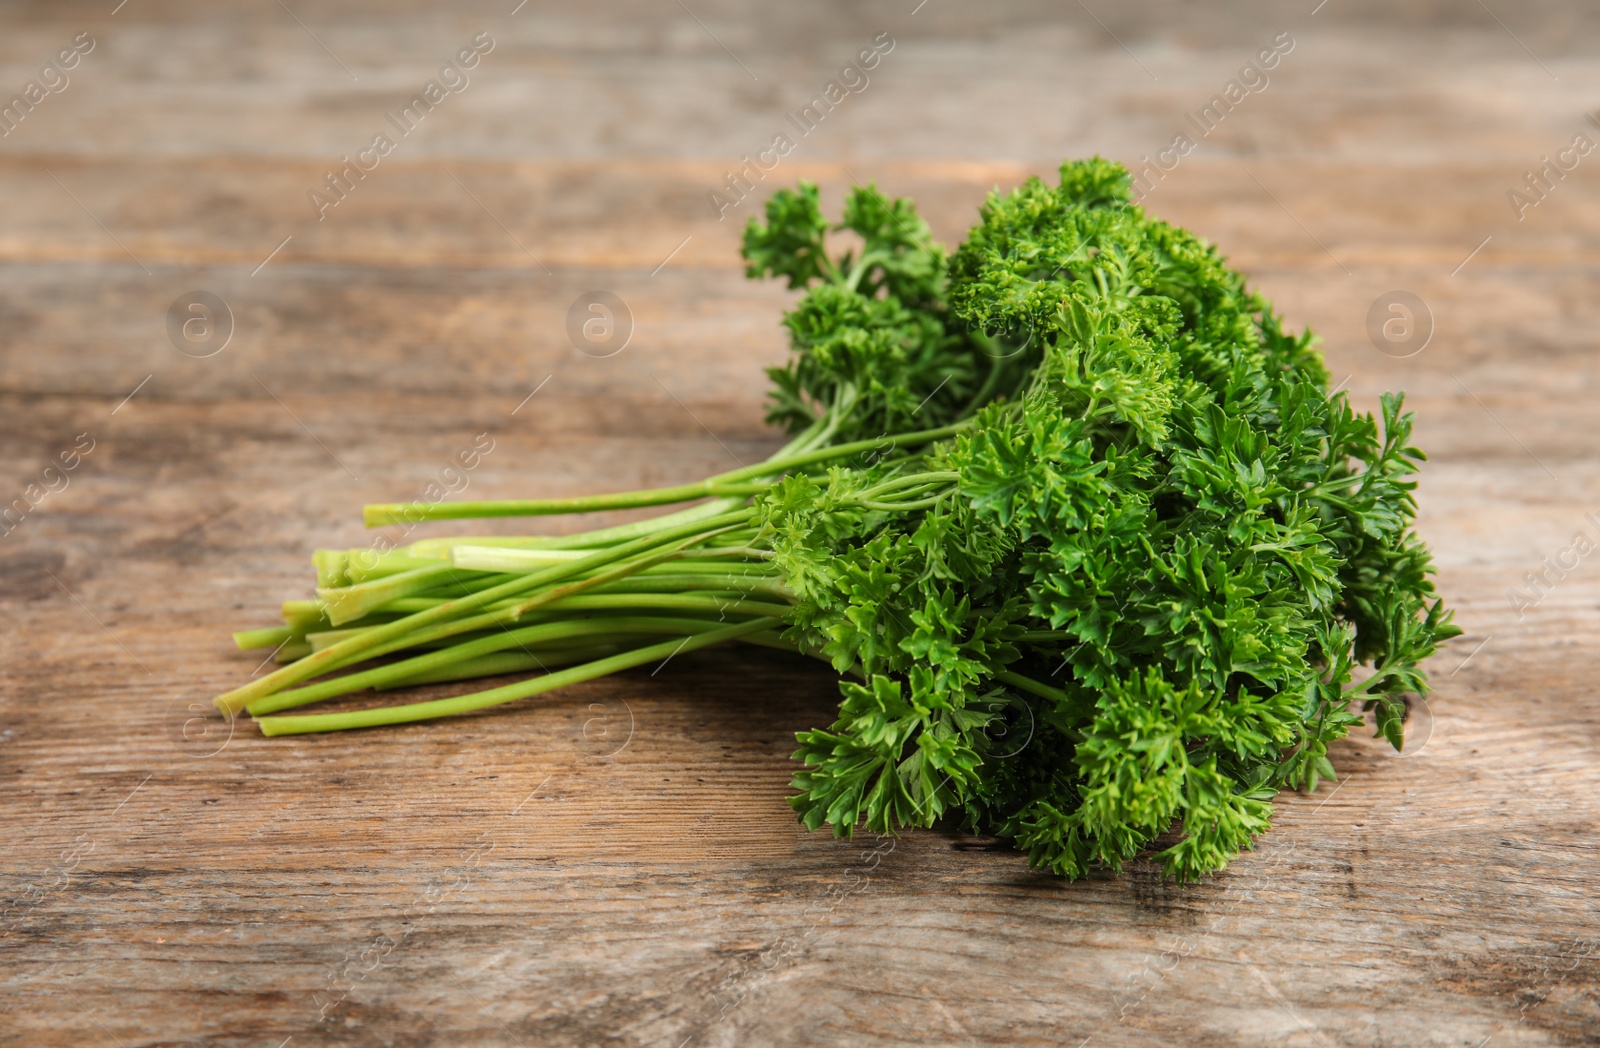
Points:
(1092, 546)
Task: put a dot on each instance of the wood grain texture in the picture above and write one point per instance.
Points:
(616, 863)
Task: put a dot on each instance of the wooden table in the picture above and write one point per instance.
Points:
(616, 864)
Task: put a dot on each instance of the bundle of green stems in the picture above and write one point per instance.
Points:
(566, 608)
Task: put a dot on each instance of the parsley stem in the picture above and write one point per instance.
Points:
(232, 702)
(903, 507)
(380, 514)
(271, 637)
(585, 540)
(586, 602)
(503, 662)
(910, 480)
(417, 711)
(740, 482)
(1033, 687)
(516, 608)
(348, 603)
(1379, 675)
(524, 638)
(863, 265)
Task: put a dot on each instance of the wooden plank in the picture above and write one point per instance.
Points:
(616, 863)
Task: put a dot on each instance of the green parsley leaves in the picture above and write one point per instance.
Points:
(1169, 528)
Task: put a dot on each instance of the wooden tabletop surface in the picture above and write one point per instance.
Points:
(616, 863)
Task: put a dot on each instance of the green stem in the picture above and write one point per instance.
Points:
(312, 665)
(641, 583)
(506, 611)
(997, 364)
(734, 480)
(292, 649)
(862, 265)
(728, 553)
(1033, 687)
(346, 603)
(271, 637)
(904, 507)
(301, 724)
(590, 602)
(389, 513)
(910, 480)
(364, 565)
(501, 559)
(524, 638)
(585, 540)
(1381, 674)
(502, 662)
